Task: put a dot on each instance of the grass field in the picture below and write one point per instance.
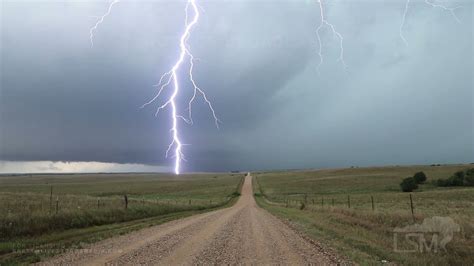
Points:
(359, 232)
(89, 207)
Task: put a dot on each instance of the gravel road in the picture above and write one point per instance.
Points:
(241, 234)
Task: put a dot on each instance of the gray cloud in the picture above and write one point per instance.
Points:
(62, 100)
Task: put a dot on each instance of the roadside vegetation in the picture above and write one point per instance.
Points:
(356, 210)
(411, 183)
(458, 179)
(64, 211)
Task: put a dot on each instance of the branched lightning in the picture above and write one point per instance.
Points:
(325, 22)
(432, 3)
(171, 78)
(449, 9)
(404, 17)
(100, 19)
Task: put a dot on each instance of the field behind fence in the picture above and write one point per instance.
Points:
(356, 210)
(35, 205)
(368, 189)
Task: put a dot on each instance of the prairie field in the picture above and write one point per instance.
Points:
(63, 211)
(356, 210)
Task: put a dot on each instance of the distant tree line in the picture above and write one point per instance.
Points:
(460, 178)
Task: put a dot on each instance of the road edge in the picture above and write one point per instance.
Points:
(331, 253)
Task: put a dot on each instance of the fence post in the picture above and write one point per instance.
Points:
(349, 201)
(411, 206)
(98, 203)
(313, 201)
(57, 204)
(125, 198)
(189, 202)
(333, 202)
(322, 201)
(372, 199)
(51, 199)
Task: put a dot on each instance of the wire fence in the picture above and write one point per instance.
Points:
(435, 202)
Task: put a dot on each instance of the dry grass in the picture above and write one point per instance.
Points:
(84, 200)
(363, 234)
(30, 216)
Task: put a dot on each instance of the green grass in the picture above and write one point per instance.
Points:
(362, 234)
(91, 207)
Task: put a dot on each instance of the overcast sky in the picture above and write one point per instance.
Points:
(63, 100)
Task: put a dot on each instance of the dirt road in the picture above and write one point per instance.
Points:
(241, 234)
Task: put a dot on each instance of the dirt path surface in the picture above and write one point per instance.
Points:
(241, 234)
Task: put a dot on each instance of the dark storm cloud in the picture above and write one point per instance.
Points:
(63, 100)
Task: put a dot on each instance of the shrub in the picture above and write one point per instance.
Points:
(470, 172)
(443, 183)
(460, 178)
(420, 177)
(469, 177)
(457, 179)
(408, 184)
(459, 174)
(469, 180)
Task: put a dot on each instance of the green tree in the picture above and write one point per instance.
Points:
(457, 179)
(420, 177)
(470, 171)
(408, 184)
(469, 177)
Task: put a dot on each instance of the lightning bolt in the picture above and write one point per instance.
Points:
(100, 20)
(432, 3)
(324, 22)
(170, 79)
(404, 17)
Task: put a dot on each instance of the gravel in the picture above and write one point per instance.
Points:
(241, 234)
